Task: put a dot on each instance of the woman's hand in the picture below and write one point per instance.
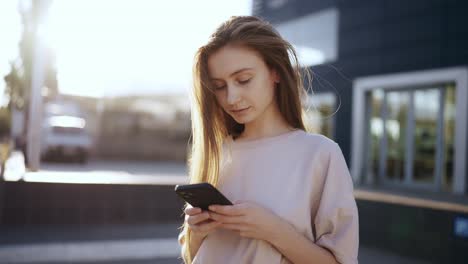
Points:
(249, 219)
(199, 222)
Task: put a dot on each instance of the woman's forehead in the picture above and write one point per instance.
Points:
(230, 60)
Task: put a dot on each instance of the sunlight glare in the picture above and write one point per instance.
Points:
(121, 47)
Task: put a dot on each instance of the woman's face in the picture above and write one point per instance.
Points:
(244, 85)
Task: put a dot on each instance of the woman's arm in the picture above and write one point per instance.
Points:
(254, 221)
(297, 248)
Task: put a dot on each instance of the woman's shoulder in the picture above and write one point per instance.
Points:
(317, 146)
(316, 141)
(293, 141)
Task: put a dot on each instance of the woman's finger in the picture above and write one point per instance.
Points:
(204, 226)
(195, 219)
(192, 210)
(227, 219)
(208, 226)
(233, 210)
(234, 227)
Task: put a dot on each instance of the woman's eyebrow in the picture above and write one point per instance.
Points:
(234, 73)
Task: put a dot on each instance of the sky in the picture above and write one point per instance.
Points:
(111, 48)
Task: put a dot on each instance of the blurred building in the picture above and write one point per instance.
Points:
(397, 73)
(399, 70)
(153, 127)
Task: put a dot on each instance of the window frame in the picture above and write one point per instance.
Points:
(399, 81)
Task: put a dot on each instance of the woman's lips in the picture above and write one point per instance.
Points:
(240, 111)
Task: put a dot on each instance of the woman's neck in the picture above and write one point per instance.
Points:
(266, 134)
(270, 123)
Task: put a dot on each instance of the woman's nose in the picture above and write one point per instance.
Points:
(233, 95)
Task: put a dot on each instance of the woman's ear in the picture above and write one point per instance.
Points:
(275, 76)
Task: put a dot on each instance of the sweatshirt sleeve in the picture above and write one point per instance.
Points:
(336, 221)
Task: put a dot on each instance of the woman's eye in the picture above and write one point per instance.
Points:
(220, 87)
(244, 81)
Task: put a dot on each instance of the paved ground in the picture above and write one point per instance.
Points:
(117, 244)
(131, 167)
(125, 172)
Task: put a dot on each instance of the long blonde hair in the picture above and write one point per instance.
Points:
(210, 124)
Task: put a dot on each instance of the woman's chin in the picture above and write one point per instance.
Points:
(243, 119)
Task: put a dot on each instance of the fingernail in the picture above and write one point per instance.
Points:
(211, 207)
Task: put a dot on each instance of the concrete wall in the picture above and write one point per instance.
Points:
(423, 233)
(29, 203)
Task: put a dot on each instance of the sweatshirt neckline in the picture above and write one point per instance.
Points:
(262, 141)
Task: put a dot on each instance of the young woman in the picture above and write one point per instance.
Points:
(292, 192)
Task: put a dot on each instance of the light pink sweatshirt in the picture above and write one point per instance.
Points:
(303, 178)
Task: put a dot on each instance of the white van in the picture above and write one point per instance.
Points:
(65, 136)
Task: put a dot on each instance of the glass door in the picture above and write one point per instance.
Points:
(411, 135)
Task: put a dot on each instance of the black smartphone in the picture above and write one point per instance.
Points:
(201, 195)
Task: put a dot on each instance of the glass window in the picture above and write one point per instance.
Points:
(426, 110)
(407, 141)
(376, 130)
(395, 127)
(449, 138)
(410, 129)
(320, 109)
(314, 36)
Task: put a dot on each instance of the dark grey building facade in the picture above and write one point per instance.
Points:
(384, 38)
(398, 72)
